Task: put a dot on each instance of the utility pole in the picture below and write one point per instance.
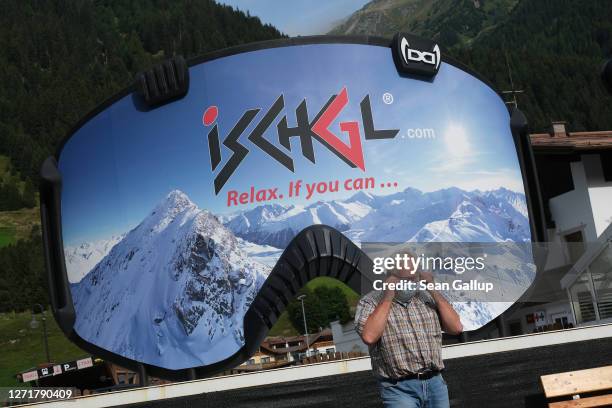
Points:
(301, 299)
(34, 325)
(512, 91)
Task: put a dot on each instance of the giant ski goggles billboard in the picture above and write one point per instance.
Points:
(175, 236)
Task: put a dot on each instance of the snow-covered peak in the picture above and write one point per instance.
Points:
(516, 200)
(173, 292)
(361, 197)
(175, 202)
(466, 209)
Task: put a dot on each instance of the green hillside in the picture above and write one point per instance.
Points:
(15, 191)
(59, 59)
(450, 21)
(555, 48)
(22, 346)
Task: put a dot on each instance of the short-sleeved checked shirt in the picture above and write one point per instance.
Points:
(411, 341)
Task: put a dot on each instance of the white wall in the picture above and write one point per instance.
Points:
(589, 205)
(601, 202)
(557, 251)
(572, 210)
(600, 192)
(346, 338)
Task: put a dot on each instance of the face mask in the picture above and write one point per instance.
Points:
(405, 296)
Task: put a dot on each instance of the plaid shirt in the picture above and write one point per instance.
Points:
(411, 341)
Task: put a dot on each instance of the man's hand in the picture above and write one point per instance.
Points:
(449, 319)
(390, 293)
(375, 325)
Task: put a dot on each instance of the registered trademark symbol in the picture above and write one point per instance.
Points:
(387, 98)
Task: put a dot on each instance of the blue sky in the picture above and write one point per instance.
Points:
(123, 162)
(299, 17)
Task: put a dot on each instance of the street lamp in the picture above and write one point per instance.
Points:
(301, 299)
(34, 325)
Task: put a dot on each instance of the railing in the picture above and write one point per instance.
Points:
(335, 356)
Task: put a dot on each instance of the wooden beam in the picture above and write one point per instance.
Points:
(577, 382)
(599, 401)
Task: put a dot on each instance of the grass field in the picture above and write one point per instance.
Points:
(18, 224)
(22, 347)
(283, 326)
(15, 225)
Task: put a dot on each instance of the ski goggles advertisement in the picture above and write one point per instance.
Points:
(173, 219)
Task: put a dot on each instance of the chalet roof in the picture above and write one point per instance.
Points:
(572, 141)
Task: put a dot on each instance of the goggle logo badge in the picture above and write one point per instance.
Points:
(414, 55)
(306, 130)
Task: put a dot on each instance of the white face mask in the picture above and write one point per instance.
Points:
(405, 296)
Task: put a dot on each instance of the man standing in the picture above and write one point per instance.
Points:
(403, 330)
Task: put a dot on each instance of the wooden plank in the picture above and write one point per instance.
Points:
(577, 382)
(572, 140)
(599, 401)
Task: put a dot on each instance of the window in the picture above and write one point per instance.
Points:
(562, 320)
(251, 361)
(582, 299)
(265, 360)
(126, 377)
(330, 350)
(575, 245)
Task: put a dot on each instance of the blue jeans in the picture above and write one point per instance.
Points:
(431, 393)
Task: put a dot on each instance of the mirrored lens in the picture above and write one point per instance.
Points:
(173, 218)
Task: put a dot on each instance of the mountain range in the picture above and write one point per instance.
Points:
(173, 291)
(450, 21)
(448, 215)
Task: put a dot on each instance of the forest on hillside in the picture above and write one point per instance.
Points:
(58, 60)
(555, 50)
